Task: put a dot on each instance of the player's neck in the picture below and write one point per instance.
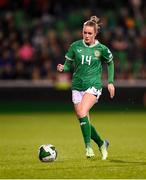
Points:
(92, 43)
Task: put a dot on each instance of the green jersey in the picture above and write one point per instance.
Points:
(87, 62)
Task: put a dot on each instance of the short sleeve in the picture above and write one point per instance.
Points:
(107, 55)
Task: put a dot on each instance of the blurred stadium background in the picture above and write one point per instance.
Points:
(35, 34)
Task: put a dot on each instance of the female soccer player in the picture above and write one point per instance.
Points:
(86, 56)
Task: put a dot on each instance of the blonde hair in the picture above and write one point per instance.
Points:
(94, 22)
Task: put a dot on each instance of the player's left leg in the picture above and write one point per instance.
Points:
(103, 149)
(95, 136)
(103, 145)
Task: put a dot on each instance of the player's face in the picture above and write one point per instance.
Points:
(89, 34)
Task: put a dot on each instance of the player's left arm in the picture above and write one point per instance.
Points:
(110, 67)
(111, 87)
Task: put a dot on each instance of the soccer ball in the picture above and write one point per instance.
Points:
(47, 153)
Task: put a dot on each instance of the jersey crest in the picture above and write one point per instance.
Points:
(97, 53)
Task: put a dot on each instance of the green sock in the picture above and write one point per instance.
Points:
(86, 130)
(95, 136)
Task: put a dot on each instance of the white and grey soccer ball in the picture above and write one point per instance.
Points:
(47, 153)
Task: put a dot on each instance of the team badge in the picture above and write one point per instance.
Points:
(97, 53)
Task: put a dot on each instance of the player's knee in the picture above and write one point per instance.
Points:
(81, 113)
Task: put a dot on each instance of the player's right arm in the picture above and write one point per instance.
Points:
(66, 67)
(60, 67)
(68, 62)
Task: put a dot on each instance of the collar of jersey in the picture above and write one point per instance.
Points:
(96, 42)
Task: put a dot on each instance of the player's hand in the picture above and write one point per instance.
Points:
(60, 67)
(111, 90)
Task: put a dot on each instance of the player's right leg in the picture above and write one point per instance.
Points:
(82, 108)
(89, 152)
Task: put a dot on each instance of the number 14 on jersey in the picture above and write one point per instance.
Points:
(86, 59)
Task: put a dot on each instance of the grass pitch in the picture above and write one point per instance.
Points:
(22, 134)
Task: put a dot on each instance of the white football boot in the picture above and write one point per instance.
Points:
(103, 150)
(89, 152)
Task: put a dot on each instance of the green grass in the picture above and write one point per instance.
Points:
(22, 134)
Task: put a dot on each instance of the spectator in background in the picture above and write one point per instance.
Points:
(26, 51)
(52, 25)
(7, 65)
